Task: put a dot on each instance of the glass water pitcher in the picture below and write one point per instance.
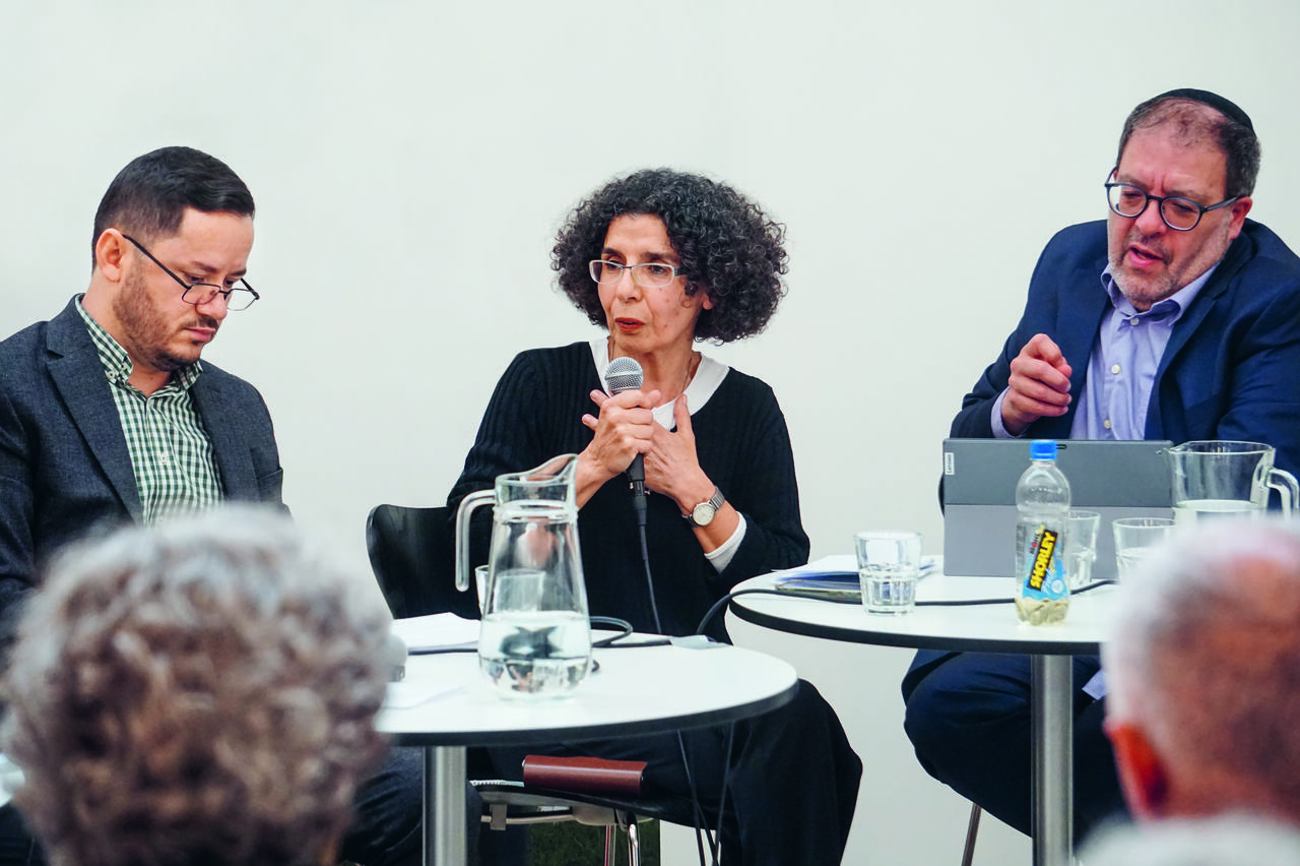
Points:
(535, 638)
(1214, 479)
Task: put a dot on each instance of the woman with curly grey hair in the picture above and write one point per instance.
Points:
(203, 692)
(661, 259)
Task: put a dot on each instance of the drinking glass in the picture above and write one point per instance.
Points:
(1080, 546)
(889, 565)
(1136, 538)
(480, 585)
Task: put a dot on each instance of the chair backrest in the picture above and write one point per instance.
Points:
(413, 554)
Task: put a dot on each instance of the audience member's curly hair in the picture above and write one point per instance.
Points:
(728, 247)
(197, 694)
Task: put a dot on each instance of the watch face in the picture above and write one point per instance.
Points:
(702, 514)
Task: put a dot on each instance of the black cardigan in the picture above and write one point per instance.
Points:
(742, 444)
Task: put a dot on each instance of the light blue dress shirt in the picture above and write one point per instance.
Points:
(1122, 367)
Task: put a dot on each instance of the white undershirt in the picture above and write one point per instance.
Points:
(708, 376)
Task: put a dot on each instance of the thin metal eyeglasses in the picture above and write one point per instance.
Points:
(240, 296)
(1180, 213)
(647, 275)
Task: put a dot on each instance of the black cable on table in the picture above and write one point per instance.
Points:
(624, 627)
(613, 642)
(955, 602)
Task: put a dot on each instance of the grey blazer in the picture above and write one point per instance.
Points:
(64, 466)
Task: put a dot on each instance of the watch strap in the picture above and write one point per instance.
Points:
(714, 502)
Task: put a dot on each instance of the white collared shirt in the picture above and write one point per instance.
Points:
(708, 376)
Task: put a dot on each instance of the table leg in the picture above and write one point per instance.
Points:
(1053, 739)
(443, 834)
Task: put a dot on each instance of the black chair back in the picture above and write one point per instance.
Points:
(413, 554)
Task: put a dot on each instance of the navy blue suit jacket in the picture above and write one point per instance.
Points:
(64, 465)
(1231, 369)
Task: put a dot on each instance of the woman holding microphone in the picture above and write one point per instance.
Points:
(662, 259)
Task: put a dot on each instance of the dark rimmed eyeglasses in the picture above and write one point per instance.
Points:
(239, 296)
(1180, 213)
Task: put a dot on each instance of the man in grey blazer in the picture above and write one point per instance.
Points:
(108, 415)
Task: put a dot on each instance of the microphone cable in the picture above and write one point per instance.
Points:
(625, 374)
(698, 818)
(726, 782)
(645, 561)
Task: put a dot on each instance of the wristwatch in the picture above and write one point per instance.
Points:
(703, 513)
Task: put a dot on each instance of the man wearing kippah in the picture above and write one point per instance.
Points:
(1176, 318)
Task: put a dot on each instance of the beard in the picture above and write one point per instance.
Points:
(1146, 290)
(1143, 290)
(146, 329)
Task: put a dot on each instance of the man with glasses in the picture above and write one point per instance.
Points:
(107, 415)
(1176, 318)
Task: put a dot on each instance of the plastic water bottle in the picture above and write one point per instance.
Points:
(1043, 500)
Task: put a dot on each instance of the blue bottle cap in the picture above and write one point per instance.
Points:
(1042, 449)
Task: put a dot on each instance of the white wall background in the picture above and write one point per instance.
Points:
(412, 160)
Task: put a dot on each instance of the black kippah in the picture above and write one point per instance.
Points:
(1226, 107)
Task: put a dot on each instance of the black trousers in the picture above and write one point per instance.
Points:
(389, 809)
(969, 720)
(793, 780)
(17, 847)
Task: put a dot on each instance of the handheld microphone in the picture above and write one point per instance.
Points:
(624, 374)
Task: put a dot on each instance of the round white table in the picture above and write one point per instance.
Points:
(445, 704)
(983, 628)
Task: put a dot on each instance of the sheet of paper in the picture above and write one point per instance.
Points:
(436, 631)
(836, 563)
(404, 695)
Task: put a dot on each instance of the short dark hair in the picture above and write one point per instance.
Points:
(1200, 114)
(728, 247)
(149, 195)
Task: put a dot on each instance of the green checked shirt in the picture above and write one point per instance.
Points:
(171, 453)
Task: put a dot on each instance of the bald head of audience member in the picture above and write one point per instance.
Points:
(1203, 666)
(1226, 840)
(198, 693)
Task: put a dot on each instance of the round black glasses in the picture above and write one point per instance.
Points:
(1180, 213)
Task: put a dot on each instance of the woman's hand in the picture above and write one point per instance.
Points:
(624, 429)
(672, 468)
(671, 464)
